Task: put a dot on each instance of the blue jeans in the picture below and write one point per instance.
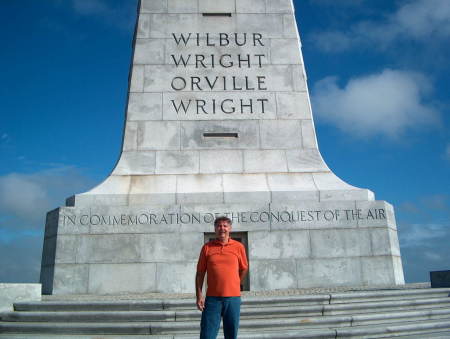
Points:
(228, 308)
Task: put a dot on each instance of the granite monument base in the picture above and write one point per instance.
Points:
(125, 249)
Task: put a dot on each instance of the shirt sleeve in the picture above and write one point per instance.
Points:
(243, 264)
(201, 265)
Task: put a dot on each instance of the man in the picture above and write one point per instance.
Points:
(225, 262)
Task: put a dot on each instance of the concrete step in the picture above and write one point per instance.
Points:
(286, 307)
(378, 331)
(246, 313)
(262, 301)
(356, 314)
(86, 322)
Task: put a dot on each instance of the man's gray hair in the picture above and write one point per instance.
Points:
(222, 218)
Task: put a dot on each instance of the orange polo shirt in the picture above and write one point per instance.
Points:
(222, 262)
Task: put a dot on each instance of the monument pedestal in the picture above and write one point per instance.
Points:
(218, 122)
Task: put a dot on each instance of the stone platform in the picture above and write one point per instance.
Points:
(107, 250)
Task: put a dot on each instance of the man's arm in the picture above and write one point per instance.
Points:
(199, 278)
(242, 274)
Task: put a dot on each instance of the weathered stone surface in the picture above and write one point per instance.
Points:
(218, 122)
(182, 6)
(329, 272)
(144, 106)
(122, 278)
(273, 275)
(11, 293)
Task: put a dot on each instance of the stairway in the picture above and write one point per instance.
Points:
(394, 313)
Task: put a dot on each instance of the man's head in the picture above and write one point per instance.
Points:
(222, 228)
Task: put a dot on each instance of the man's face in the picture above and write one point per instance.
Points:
(222, 230)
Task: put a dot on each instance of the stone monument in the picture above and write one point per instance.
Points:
(218, 122)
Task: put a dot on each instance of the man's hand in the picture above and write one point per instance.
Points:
(201, 303)
(199, 277)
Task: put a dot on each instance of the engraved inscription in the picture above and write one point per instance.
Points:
(291, 216)
(217, 79)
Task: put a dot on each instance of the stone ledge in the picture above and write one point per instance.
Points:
(10, 293)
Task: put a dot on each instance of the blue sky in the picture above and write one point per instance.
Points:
(379, 80)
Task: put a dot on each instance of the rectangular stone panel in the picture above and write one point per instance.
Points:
(130, 137)
(285, 52)
(137, 79)
(143, 29)
(279, 245)
(177, 162)
(153, 6)
(378, 270)
(279, 6)
(146, 219)
(69, 222)
(263, 161)
(144, 106)
(251, 6)
(245, 188)
(269, 25)
(216, 6)
(199, 189)
(168, 277)
(312, 215)
(136, 162)
(149, 52)
(294, 105)
(384, 241)
(233, 50)
(158, 135)
(305, 160)
(48, 252)
(169, 248)
(153, 184)
(282, 134)
(290, 26)
(308, 135)
(219, 106)
(334, 243)
(67, 247)
(268, 78)
(182, 6)
(299, 78)
(329, 272)
(122, 278)
(291, 182)
(380, 213)
(109, 248)
(199, 183)
(266, 275)
(221, 161)
(71, 279)
(193, 135)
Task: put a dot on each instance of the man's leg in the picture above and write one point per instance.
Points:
(231, 314)
(211, 316)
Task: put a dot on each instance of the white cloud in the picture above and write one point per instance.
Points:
(386, 103)
(419, 235)
(26, 198)
(418, 20)
(433, 256)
